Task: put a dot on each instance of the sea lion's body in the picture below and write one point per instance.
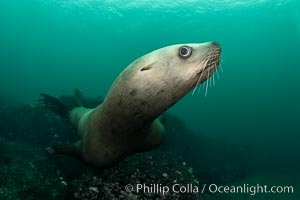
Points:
(127, 122)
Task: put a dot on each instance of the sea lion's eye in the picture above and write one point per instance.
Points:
(185, 51)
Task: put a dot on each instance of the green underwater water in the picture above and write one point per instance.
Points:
(54, 46)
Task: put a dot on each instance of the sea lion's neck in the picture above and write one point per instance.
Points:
(124, 110)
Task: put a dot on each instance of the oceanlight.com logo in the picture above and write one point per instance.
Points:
(250, 189)
(211, 188)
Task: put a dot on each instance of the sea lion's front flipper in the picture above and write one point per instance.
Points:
(68, 149)
(55, 105)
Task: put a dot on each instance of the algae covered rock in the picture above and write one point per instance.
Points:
(151, 175)
(27, 173)
(30, 173)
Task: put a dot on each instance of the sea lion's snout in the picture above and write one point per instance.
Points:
(209, 55)
(216, 48)
(213, 57)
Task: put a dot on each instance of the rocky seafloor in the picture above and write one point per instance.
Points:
(28, 171)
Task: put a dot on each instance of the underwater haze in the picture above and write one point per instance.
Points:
(54, 46)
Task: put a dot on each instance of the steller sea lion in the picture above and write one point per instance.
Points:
(127, 121)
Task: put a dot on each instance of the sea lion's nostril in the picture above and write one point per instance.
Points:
(216, 44)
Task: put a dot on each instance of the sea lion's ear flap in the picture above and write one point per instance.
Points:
(147, 67)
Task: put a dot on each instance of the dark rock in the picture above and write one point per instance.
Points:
(31, 173)
(27, 173)
(146, 168)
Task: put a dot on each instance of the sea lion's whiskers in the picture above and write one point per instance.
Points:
(207, 83)
(199, 77)
(206, 88)
(213, 77)
(210, 81)
(199, 82)
(205, 66)
(217, 72)
(221, 68)
(200, 88)
(196, 85)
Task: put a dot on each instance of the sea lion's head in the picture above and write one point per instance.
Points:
(159, 79)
